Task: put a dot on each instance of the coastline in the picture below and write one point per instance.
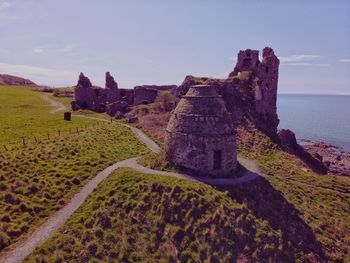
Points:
(335, 158)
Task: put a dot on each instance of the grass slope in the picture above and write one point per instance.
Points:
(135, 217)
(25, 114)
(320, 202)
(38, 179)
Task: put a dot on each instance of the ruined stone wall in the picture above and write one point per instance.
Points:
(127, 95)
(266, 90)
(250, 89)
(146, 94)
(112, 91)
(247, 60)
(143, 95)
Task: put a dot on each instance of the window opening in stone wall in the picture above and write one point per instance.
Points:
(217, 160)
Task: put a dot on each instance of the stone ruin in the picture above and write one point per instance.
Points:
(112, 99)
(200, 136)
(250, 90)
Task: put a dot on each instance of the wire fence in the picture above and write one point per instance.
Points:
(50, 136)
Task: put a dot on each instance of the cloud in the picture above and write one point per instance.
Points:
(37, 74)
(303, 60)
(307, 64)
(344, 60)
(5, 5)
(299, 58)
(4, 8)
(232, 58)
(54, 48)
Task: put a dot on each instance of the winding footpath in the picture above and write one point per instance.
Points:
(24, 248)
(58, 106)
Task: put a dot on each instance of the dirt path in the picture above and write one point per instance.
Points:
(248, 176)
(59, 106)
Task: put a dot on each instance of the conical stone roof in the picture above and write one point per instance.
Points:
(201, 112)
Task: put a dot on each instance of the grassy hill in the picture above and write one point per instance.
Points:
(290, 215)
(320, 202)
(25, 114)
(136, 217)
(36, 179)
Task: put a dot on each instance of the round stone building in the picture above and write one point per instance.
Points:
(200, 136)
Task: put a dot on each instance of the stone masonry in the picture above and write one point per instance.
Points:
(112, 99)
(200, 136)
(250, 90)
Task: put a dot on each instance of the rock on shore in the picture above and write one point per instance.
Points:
(335, 158)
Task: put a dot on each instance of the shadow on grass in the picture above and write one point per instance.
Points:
(269, 204)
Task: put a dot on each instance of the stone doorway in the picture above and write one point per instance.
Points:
(217, 160)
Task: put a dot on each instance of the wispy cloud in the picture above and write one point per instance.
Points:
(307, 64)
(43, 75)
(344, 60)
(299, 58)
(54, 48)
(232, 58)
(322, 64)
(5, 5)
(304, 60)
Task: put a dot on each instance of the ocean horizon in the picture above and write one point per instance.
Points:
(324, 117)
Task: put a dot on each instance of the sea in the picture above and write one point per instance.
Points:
(316, 117)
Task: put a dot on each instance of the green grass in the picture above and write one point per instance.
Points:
(135, 217)
(25, 114)
(38, 178)
(321, 202)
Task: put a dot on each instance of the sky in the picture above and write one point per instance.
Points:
(162, 41)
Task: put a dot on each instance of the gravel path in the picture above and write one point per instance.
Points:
(24, 248)
(58, 105)
(248, 176)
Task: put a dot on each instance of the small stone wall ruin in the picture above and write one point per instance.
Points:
(113, 100)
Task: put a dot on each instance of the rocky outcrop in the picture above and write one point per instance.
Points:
(9, 80)
(334, 158)
(289, 143)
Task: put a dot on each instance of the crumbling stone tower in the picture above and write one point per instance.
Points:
(111, 89)
(200, 136)
(247, 60)
(266, 90)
